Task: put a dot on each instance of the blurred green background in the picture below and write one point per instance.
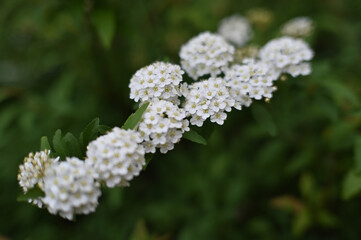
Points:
(288, 169)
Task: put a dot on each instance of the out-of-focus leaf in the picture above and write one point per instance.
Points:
(59, 144)
(148, 158)
(134, 118)
(31, 194)
(357, 153)
(351, 185)
(193, 136)
(44, 143)
(103, 129)
(302, 222)
(140, 231)
(104, 22)
(264, 119)
(341, 92)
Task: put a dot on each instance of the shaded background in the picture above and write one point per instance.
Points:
(292, 176)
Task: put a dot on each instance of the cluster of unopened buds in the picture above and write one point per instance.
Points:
(216, 84)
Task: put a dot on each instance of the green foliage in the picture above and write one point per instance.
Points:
(33, 193)
(134, 118)
(288, 169)
(193, 136)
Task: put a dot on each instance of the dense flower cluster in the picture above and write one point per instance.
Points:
(162, 125)
(236, 29)
(288, 54)
(208, 99)
(298, 27)
(204, 54)
(252, 79)
(31, 172)
(70, 188)
(116, 157)
(159, 80)
(232, 80)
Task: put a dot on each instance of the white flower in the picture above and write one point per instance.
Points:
(31, 172)
(116, 157)
(204, 54)
(162, 125)
(252, 80)
(298, 27)
(236, 29)
(70, 188)
(157, 81)
(286, 52)
(208, 99)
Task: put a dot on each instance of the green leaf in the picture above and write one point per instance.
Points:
(351, 185)
(104, 23)
(31, 194)
(264, 118)
(193, 136)
(90, 132)
(44, 143)
(103, 129)
(148, 158)
(59, 144)
(357, 149)
(140, 231)
(134, 118)
(73, 146)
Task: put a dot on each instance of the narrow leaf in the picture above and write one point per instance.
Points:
(193, 136)
(103, 129)
(134, 118)
(104, 23)
(59, 145)
(148, 158)
(90, 132)
(44, 143)
(264, 119)
(73, 146)
(31, 194)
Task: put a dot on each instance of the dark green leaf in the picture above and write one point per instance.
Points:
(73, 146)
(59, 144)
(148, 158)
(264, 119)
(103, 129)
(31, 194)
(134, 118)
(44, 143)
(90, 132)
(104, 23)
(193, 136)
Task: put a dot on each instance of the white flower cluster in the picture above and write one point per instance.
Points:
(70, 188)
(31, 172)
(157, 81)
(73, 186)
(298, 27)
(162, 125)
(208, 99)
(116, 157)
(236, 29)
(205, 54)
(253, 80)
(288, 54)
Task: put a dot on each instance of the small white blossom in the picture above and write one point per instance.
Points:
(252, 80)
(116, 157)
(286, 52)
(70, 188)
(208, 99)
(157, 81)
(31, 172)
(204, 54)
(236, 29)
(162, 125)
(298, 27)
